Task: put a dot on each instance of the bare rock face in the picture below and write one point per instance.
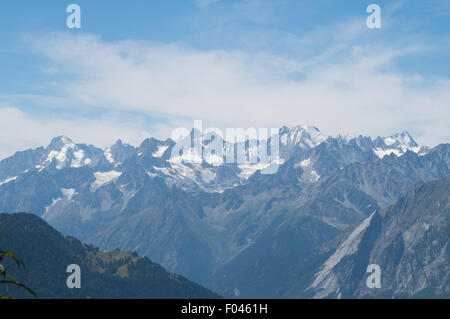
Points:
(227, 225)
(114, 274)
(410, 243)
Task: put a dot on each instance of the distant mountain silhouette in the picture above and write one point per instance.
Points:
(116, 274)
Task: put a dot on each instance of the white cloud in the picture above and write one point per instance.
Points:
(205, 3)
(21, 131)
(355, 91)
(337, 82)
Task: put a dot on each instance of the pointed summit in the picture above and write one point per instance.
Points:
(397, 144)
(59, 142)
(118, 143)
(119, 152)
(302, 136)
(403, 138)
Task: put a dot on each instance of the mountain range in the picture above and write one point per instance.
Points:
(409, 241)
(224, 225)
(115, 274)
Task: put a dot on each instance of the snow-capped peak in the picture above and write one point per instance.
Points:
(60, 142)
(401, 139)
(65, 153)
(108, 155)
(302, 136)
(397, 144)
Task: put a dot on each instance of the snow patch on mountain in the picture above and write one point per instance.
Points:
(397, 152)
(403, 139)
(304, 163)
(108, 155)
(161, 150)
(60, 154)
(152, 175)
(104, 178)
(68, 193)
(397, 144)
(309, 174)
(48, 210)
(214, 160)
(189, 156)
(315, 176)
(78, 160)
(66, 154)
(382, 153)
(249, 169)
(302, 136)
(8, 180)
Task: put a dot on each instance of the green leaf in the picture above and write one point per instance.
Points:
(10, 282)
(12, 278)
(8, 254)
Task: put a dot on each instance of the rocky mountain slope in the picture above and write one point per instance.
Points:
(211, 220)
(115, 274)
(409, 241)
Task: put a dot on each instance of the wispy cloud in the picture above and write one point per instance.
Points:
(25, 131)
(353, 89)
(338, 77)
(205, 3)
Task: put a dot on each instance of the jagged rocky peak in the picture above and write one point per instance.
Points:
(119, 152)
(304, 136)
(154, 147)
(397, 144)
(60, 142)
(403, 138)
(364, 142)
(150, 143)
(119, 143)
(408, 241)
(62, 152)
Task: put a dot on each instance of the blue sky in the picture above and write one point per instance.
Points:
(140, 68)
